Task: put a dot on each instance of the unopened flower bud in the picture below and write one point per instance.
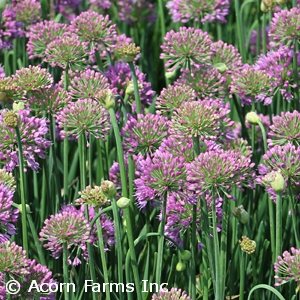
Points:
(185, 255)
(252, 118)
(221, 67)
(108, 188)
(275, 180)
(2, 4)
(180, 266)
(123, 202)
(247, 245)
(10, 118)
(264, 8)
(129, 52)
(106, 98)
(170, 74)
(129, 89)
(18, 106)
(241, 214)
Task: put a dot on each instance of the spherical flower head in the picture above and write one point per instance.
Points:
(144, 134)
(28, 11)
(219, 170)
(187, 47)
(173, 96)
(285, 129)
(132, 11)
(8, 89)
(123, 202)
(7, 179)
(94, 28)
(200, 119)
(13, 259)
(288, 267)
(82, 117)
(247, 245)
(164, 173)
(251, 84)
(67, 8)
(108, 188)
(10, 119)
(274, 180)
(32, 133)
(204, 11)
(69, 226)
(93, 196)
(50, 100)
(32, 78)
(285, 27)
(67, 52)
(42, 34)
(279, 65)
(106, 98)
(100, 4)
(120, 76)
(284, 159)
(129, 52)
(207, 82)
(173, 294)
(253, 118)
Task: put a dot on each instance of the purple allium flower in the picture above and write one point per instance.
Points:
(2, 72)
(288, 267)
(279, 65)
(101, 4)
(285, 27)
(173, 294)
(31, 79)
(67, 8)
(132, 11)
(206, 81)
(202, 119)
(50, 100)
(8, 90)
(28, 11)
(284, 159)
(144, 134)
(253, 41)
(8, 215)
(86, 84)
(216, 171)
(94, 28)
(164, 173)
(108, 229)
(251, 84)
(82, 117)
(32, 132)
(187, 47)
(285, 129)
(13, 259)
(173, 96)
(120, 77)
(67, 52)
(93, 196)
(7, 179)
(199, 10)
(240, 145)
(41, 35)
(69, 226)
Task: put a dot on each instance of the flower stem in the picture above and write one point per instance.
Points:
(66, 150)
(278, 224)
(242, 275)
(23, 192)
(240, 30)
(136, 89)
(263, 132)
(294, 218)
(65, 270)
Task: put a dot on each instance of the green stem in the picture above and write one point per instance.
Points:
(193, 254)
(263, 132)
(23, 192)
(240, 30)
(82, 161)
(264, 33)
(99, 61)
(65, 270)
(66, 150)
(136, 89)
(272, 224)
(242, 275)
(294, 217)
(278, 224)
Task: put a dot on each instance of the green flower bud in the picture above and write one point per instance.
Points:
(123, 202)
(252, 118)
(129, 52)
(171, 75)
(18, 106)
(263, 7)
(2, 4)
(241, 214)
(108, 188)
(129, 89)
(221, 67)
(106, 98)
(181, 266)
(278, 185)
(185, 255)
(247, 245)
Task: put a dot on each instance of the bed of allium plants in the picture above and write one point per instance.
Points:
(149, 150)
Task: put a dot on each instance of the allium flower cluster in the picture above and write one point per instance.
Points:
(41, 35)
(120, 77)
(199, 10)
(69, 226)
(132, 11)
(216, 171)
(32, 133)
(288, 267)
(187, 47)
(67, 8)
(67, 52)
(93, 196)
(85, 116)
(101, 4)
(251, 84)
(202, 119)
(285, 27)
(144, 134)
(28, 11)
(205, 81)
(173, 96)
(173, 294)
(253, 41)
(164, 173)
(285, 129)
(94, 28)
